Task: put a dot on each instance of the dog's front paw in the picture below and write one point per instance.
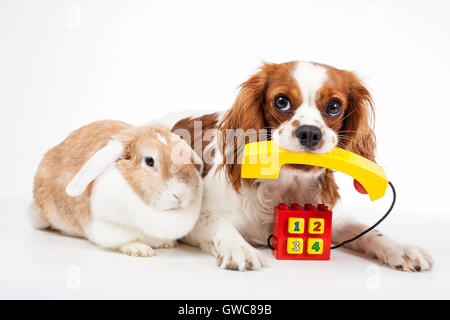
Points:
(404, 257)
(239, 255)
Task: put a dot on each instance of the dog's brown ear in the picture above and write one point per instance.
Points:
(357, 132)
(241, 124)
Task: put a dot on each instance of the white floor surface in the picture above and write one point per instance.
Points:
(43, 264)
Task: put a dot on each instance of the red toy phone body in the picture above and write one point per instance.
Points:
(301, 233)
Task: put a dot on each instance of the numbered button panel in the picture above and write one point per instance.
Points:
(294, 245)
(296, 225)
(316, 225)
(315, 246)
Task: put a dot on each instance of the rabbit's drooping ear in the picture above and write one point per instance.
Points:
(182, 153)
(94, 166)
(197, 161)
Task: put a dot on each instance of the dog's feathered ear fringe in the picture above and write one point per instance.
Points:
(246, 116)
(359, 120)
(356, 134)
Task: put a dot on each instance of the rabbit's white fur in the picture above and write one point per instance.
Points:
(119, 215)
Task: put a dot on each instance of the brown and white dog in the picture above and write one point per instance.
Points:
(302, 106)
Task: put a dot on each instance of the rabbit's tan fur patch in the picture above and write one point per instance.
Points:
(71, 215)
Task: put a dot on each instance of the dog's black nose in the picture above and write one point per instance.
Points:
(309, 136)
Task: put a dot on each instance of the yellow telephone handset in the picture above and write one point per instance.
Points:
(264, 159)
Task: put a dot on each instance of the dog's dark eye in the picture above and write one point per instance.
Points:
(282, 104)
(333, 108)
(149, 161)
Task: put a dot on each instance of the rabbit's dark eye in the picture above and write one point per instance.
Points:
(149, 161)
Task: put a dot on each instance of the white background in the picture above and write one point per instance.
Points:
(67, 63)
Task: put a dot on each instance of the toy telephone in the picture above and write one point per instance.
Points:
(304, 233)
